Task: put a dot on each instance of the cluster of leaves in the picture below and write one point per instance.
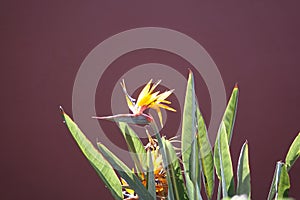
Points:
(199, 160)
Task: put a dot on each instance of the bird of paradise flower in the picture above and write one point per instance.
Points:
(147, 99)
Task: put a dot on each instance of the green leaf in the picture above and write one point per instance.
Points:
(219, 191)
(133, 181)
(206, 156)
(135, 146)
(228, 119)
(230, 112)
(281, 182)
(150, 175)
(243, 173)
(217, 158)
(101, 166)
(175, 171)
(225, 163)
(164, 156)
(272, 187)
(189, 148)
(281, 168)
(293, 153)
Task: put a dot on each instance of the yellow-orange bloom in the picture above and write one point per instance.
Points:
(161, 185)
(149, 99)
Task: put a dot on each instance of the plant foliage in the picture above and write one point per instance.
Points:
(159, 173)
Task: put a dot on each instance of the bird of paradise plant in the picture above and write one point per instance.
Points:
(159, 173)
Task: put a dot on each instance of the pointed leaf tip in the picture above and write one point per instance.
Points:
(61, 109)
(62, 112)
(236, 86)
(293, 152)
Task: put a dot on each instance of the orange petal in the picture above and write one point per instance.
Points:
(166, 107)
(144, 92)
(164, 95)
(154, 86)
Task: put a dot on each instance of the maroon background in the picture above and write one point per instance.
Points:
(43, 44)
